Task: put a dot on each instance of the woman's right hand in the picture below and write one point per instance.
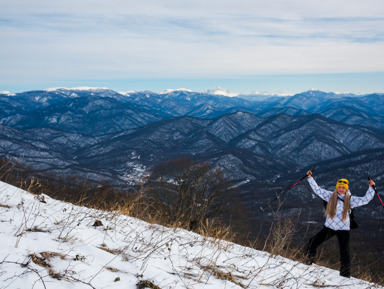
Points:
(371, 183)
(309, 173)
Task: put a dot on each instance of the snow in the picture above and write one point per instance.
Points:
(126, 93)
(7, 93)
(86, 88)
(175, 90)
(222, 91)
(55, 89)
(47, 243)
(81, 88)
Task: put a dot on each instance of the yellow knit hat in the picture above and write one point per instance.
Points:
(342, 183)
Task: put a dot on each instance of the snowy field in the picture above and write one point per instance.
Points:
(46, 243)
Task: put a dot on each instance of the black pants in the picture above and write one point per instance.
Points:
(342, 237)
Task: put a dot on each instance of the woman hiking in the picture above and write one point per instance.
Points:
(337, 221)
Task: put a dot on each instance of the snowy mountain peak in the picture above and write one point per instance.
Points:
(7, 93)
(175, 90)
(86, 88)
(319, 93)
(222, 91)
(80, 88)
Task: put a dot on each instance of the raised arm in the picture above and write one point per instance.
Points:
(361, 201)
(324, 194)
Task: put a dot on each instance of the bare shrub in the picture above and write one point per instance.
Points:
(213, 229)
(191, 192)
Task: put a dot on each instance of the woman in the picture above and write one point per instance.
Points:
(337, 221)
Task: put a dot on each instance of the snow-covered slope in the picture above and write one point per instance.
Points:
(46, 243)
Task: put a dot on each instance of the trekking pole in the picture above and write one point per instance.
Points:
(270, 202)
(377, 194)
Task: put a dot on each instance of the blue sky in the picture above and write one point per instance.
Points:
(241, 45)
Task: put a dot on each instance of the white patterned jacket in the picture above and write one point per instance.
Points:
(337, 223)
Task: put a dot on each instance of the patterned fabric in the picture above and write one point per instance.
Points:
(337, 223)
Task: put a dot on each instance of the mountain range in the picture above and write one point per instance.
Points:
(263, 144)
(114, 136)
(90, 126)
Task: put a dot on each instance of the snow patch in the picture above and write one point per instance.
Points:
(7, 93)
(55, 89)
(86, 88)
(175, 90)
(221, 91)
(126, 93)
(81, 88)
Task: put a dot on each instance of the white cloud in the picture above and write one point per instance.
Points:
(120, 39)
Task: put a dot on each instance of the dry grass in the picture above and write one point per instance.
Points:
(217, 231)
(223, 274)
(42, 259)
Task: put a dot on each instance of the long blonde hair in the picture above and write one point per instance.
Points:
(332, 203)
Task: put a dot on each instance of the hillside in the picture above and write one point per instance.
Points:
(51, 244)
